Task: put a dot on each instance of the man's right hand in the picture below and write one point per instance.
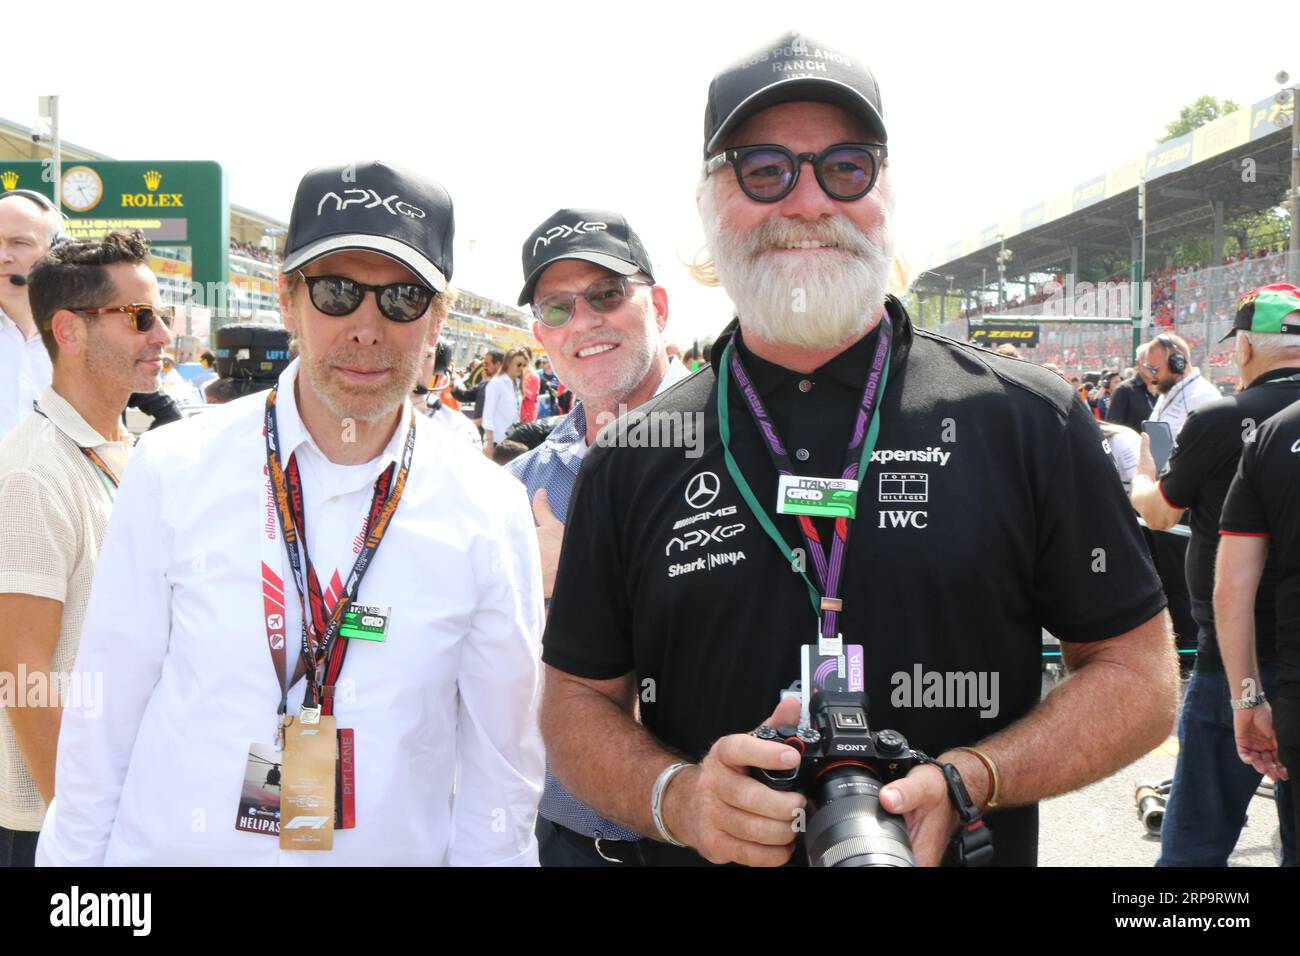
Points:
(726, 815)
(1256, 741)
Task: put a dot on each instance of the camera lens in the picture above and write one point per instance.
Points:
(849, 827)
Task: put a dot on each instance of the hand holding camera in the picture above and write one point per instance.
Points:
(725, 814)
(873, 801)
(842, 767)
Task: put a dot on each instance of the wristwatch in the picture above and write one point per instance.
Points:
(1246, 703)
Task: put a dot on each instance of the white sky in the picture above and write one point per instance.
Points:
(519, 109)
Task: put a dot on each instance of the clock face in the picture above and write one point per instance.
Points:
(82, 188)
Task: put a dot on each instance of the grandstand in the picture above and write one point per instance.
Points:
(476, 323)
(1195, 185)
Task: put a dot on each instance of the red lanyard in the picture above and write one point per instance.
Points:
(320, 627)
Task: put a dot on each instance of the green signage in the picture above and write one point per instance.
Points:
(181, 207)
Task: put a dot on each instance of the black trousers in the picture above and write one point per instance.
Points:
(554, 849)
(18, 847)
(1286, 724)
(1169, 554)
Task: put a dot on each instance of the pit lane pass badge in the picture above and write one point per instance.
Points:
(366, 622)
(819, 497)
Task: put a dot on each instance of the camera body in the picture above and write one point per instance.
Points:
(838, 732)
(844, 764)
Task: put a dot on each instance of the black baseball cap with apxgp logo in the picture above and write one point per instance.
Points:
(376, 207)
(791, 68)
(593, 235)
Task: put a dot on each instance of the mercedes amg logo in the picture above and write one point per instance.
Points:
(703, 488)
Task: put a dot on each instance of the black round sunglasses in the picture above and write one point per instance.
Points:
(768, 172)
(339, 295)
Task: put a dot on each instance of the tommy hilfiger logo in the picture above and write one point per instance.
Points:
(563, 232)
(904, 486)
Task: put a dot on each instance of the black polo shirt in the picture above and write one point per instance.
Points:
(1264, 499)
(1130, 404)
(1200, 469)
(989, 511)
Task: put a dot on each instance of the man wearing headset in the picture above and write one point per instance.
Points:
(1180, 390)
(1180, 387)
(29, 223)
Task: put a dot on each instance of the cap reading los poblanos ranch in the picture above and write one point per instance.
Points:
(592, 235)
(790, 68)
(376, 207)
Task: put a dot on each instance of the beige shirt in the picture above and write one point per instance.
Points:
(54, 508)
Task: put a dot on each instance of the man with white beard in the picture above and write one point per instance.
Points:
(985, 511)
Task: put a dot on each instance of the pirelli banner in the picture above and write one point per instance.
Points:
(992, 333)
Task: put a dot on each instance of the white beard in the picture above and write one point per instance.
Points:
(815, 301)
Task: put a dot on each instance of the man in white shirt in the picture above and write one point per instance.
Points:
(1180, 387)
(1180, 390)
(429, 400)
(59, 470)
(29, 223)
(419, 694)
(501, 400)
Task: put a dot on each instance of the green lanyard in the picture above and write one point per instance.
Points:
(760, 514)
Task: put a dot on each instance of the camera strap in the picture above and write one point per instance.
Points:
(828, 568)
(972, 844)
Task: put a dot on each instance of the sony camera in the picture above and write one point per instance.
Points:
(844, 766)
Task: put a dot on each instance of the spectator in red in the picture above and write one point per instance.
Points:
(531, 386)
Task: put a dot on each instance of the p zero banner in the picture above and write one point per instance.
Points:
(993, 334)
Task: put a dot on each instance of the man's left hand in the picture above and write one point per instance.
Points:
(1146, 465)
(922, 799)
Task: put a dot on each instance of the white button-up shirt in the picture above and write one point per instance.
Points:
(449, 760)
(1189, 394)
(25, 370)
(500, 406)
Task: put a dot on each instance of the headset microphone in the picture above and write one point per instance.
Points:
(18, 280)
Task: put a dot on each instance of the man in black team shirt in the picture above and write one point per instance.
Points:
(1260, 531)
(1212, 788)
(1132, 401)
(987, 511)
